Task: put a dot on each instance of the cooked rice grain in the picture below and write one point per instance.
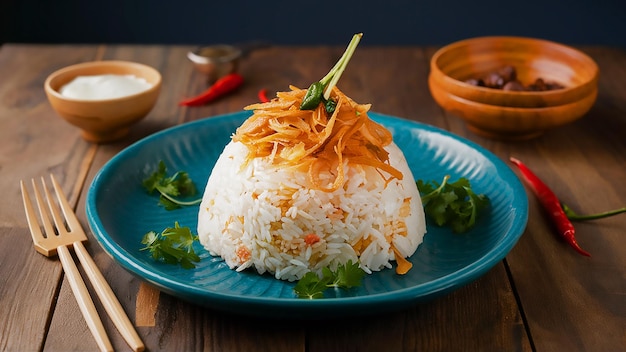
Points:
(258, 214)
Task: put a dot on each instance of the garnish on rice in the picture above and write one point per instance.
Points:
(314, 139)
(319, 92)
(346, 276)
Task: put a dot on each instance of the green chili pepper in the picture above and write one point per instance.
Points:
(320, 91)
(313, 96)
(330, 106)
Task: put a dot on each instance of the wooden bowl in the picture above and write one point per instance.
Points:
(454, 64)
(103, 120)
(512, 123)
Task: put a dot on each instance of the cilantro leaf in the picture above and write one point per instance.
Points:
(151, 183)
(174, 245)
(310, 286)
(177, 185)
(452, 204)
(346, 276)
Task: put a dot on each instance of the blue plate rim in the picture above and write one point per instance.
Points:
(401, 296)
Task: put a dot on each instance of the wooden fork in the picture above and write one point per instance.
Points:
(55, 239)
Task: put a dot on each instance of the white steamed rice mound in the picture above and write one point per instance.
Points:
(258, 215)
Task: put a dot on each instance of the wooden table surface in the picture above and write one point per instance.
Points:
(543, 296)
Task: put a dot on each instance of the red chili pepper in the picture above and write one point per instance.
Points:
(263, 96)
(220, 88)
(551, 205)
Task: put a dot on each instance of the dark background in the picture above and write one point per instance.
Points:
(322, 22)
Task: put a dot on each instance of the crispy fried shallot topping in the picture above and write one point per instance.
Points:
(315, 140)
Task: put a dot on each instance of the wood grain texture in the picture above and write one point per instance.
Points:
(542, 297)
(32, 282)
(146, 305)
(585, 164)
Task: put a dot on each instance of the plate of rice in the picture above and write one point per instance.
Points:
(262, 227)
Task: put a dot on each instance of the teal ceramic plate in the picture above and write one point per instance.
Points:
(120, 212)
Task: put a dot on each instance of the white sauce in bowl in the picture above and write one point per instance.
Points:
(100, 87)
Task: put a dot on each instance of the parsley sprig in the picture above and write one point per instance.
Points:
(346, 276)
(452, 203)
(169, 188)
(174, 245)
